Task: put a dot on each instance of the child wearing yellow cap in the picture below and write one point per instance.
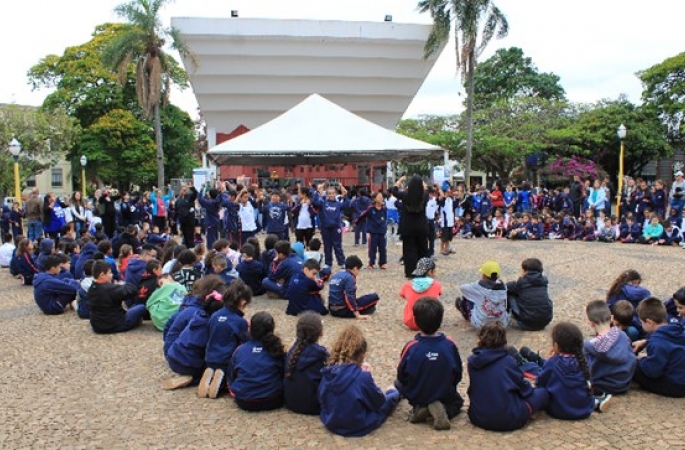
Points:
(484, 301)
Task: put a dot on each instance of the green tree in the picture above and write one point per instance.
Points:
(177, 128)
(509, 74)
(142, 40)
(44, 138)
(664, 92)
(475, 23)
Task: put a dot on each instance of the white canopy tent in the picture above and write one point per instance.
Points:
(317, 131)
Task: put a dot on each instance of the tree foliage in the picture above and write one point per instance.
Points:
(664, 93)
(509, 74)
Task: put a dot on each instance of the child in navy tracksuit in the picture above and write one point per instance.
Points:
(284, 266)
(52, 292)
(255, 377)
(430, 368)
(303, 365)
(330, 218)
(627, 286)
(251, 270)
(351, 402)
(376, 218)
(359, 205)
(342, 293)
(227, 330)
(501, 399)
(662, 371)
(186, 356)
(276, 213)
(304, 291)
(671, 234)
(630, 232)
(23, 264)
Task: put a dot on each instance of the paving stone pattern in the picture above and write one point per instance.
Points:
(64, 387)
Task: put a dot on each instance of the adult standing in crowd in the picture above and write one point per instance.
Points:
(34, 215)
(576, 195)
(77, 211)
(413, 224)
(185, 210)
(496, 196)
(677, 194)
(108, 212)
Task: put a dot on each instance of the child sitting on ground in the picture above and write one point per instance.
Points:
(255, 377)
(6, 250)
(227, 330)
(609, 355)
(284, 266)
(223, 268)
(486, 300)
(105, 299)
(351, 403)
(304, 291)
(303, 365)
(23, 264)
(622, 318)
(528, 297)
(52, 292)
(500, 398)
(652, 232)
(662, 370)
(314, 252)
(82, 305)
(251, 270)
(675, 307)
(424, 284)
(184, 271)
(627, 286)
(430, 369)
(342, 293)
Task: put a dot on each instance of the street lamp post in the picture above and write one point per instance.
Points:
(621, 135)
(83, 161)
(15, 149)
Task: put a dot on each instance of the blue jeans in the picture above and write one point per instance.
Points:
(134, 317)
(35, 230)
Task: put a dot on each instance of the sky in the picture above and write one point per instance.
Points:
(595, 46)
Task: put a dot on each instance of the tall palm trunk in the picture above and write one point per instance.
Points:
(469, 117)
(160, 148)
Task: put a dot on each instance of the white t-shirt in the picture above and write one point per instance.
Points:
(390, 202)
(247, 217)
(6, 252)
(447, 213)
(431, 208)
(304, 218)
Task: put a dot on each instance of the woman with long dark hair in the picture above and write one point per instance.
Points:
(413, 224)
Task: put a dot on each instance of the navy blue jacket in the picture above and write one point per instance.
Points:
(376, 220)
(359, 205)
(666, 355)
(135, 271)
(276, 214)
(330, 212)
(569, 396)
(188, 351)
(342, 291)
(252, 273)
(227, 330)
(302, 387)
(267, 257)
(303, 294)
(611, 361)
(212, 207)
(53, 293)
(429, 370)
(254, 374)
(286, 269)
(25, 266)
(537, 231)
(351, 403)
(47, 245)
(87, 253)
(179, 320)
(497, 391)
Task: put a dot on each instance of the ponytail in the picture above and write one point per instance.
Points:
(623, 279)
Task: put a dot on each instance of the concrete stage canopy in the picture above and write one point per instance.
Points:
(317, 131)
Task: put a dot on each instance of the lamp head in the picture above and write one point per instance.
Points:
(15, 147)
(622, 132)
(83, 160)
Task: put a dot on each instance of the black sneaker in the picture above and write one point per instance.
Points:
(418, 414)
(516, 355)
(531, 356)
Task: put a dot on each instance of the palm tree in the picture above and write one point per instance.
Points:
(472, 19)
(142, 41)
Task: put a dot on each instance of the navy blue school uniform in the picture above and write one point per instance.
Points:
(304, 294)
(537, 231)
(227, 275)
(566, 202)
(252, 273)
(501, 400)
(52, 293)
(179, 320)
(87, 252)
(186, 356)
(276, 214)
(301, 388)
(25, 266)
(672, 237)
(377, 226)
(212, 220)
(255, 378)
(282, 270)
(359, 205)
(227, 330)
(634, 294)
(342, 296)
(15, 221)
(430, 369)
(659, 202)
(267, 258)
(569, 395)
(509, 198)
(330, 218)
(351, 402)
(662, 371)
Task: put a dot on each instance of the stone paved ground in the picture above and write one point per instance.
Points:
(62, 386)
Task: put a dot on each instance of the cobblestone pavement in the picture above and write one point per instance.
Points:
(63, 386)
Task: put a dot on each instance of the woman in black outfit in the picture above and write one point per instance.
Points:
(413, 225)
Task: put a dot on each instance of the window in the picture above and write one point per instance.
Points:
(56, 177)
(31, 181)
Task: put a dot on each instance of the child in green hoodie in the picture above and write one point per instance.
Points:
(424, 284)
(165, 301)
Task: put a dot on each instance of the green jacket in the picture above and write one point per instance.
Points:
(164, 302)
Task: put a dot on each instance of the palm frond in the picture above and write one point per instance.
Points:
(142, 87)
(179, 44)
(440, 32)
(154, 73)
(122, 49)
(495, 22)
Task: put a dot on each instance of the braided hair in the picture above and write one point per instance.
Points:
(309, 330)
(262, 327)
(349, 347)
(623, 279)
(569, 339)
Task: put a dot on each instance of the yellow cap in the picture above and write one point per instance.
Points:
(489, 268)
